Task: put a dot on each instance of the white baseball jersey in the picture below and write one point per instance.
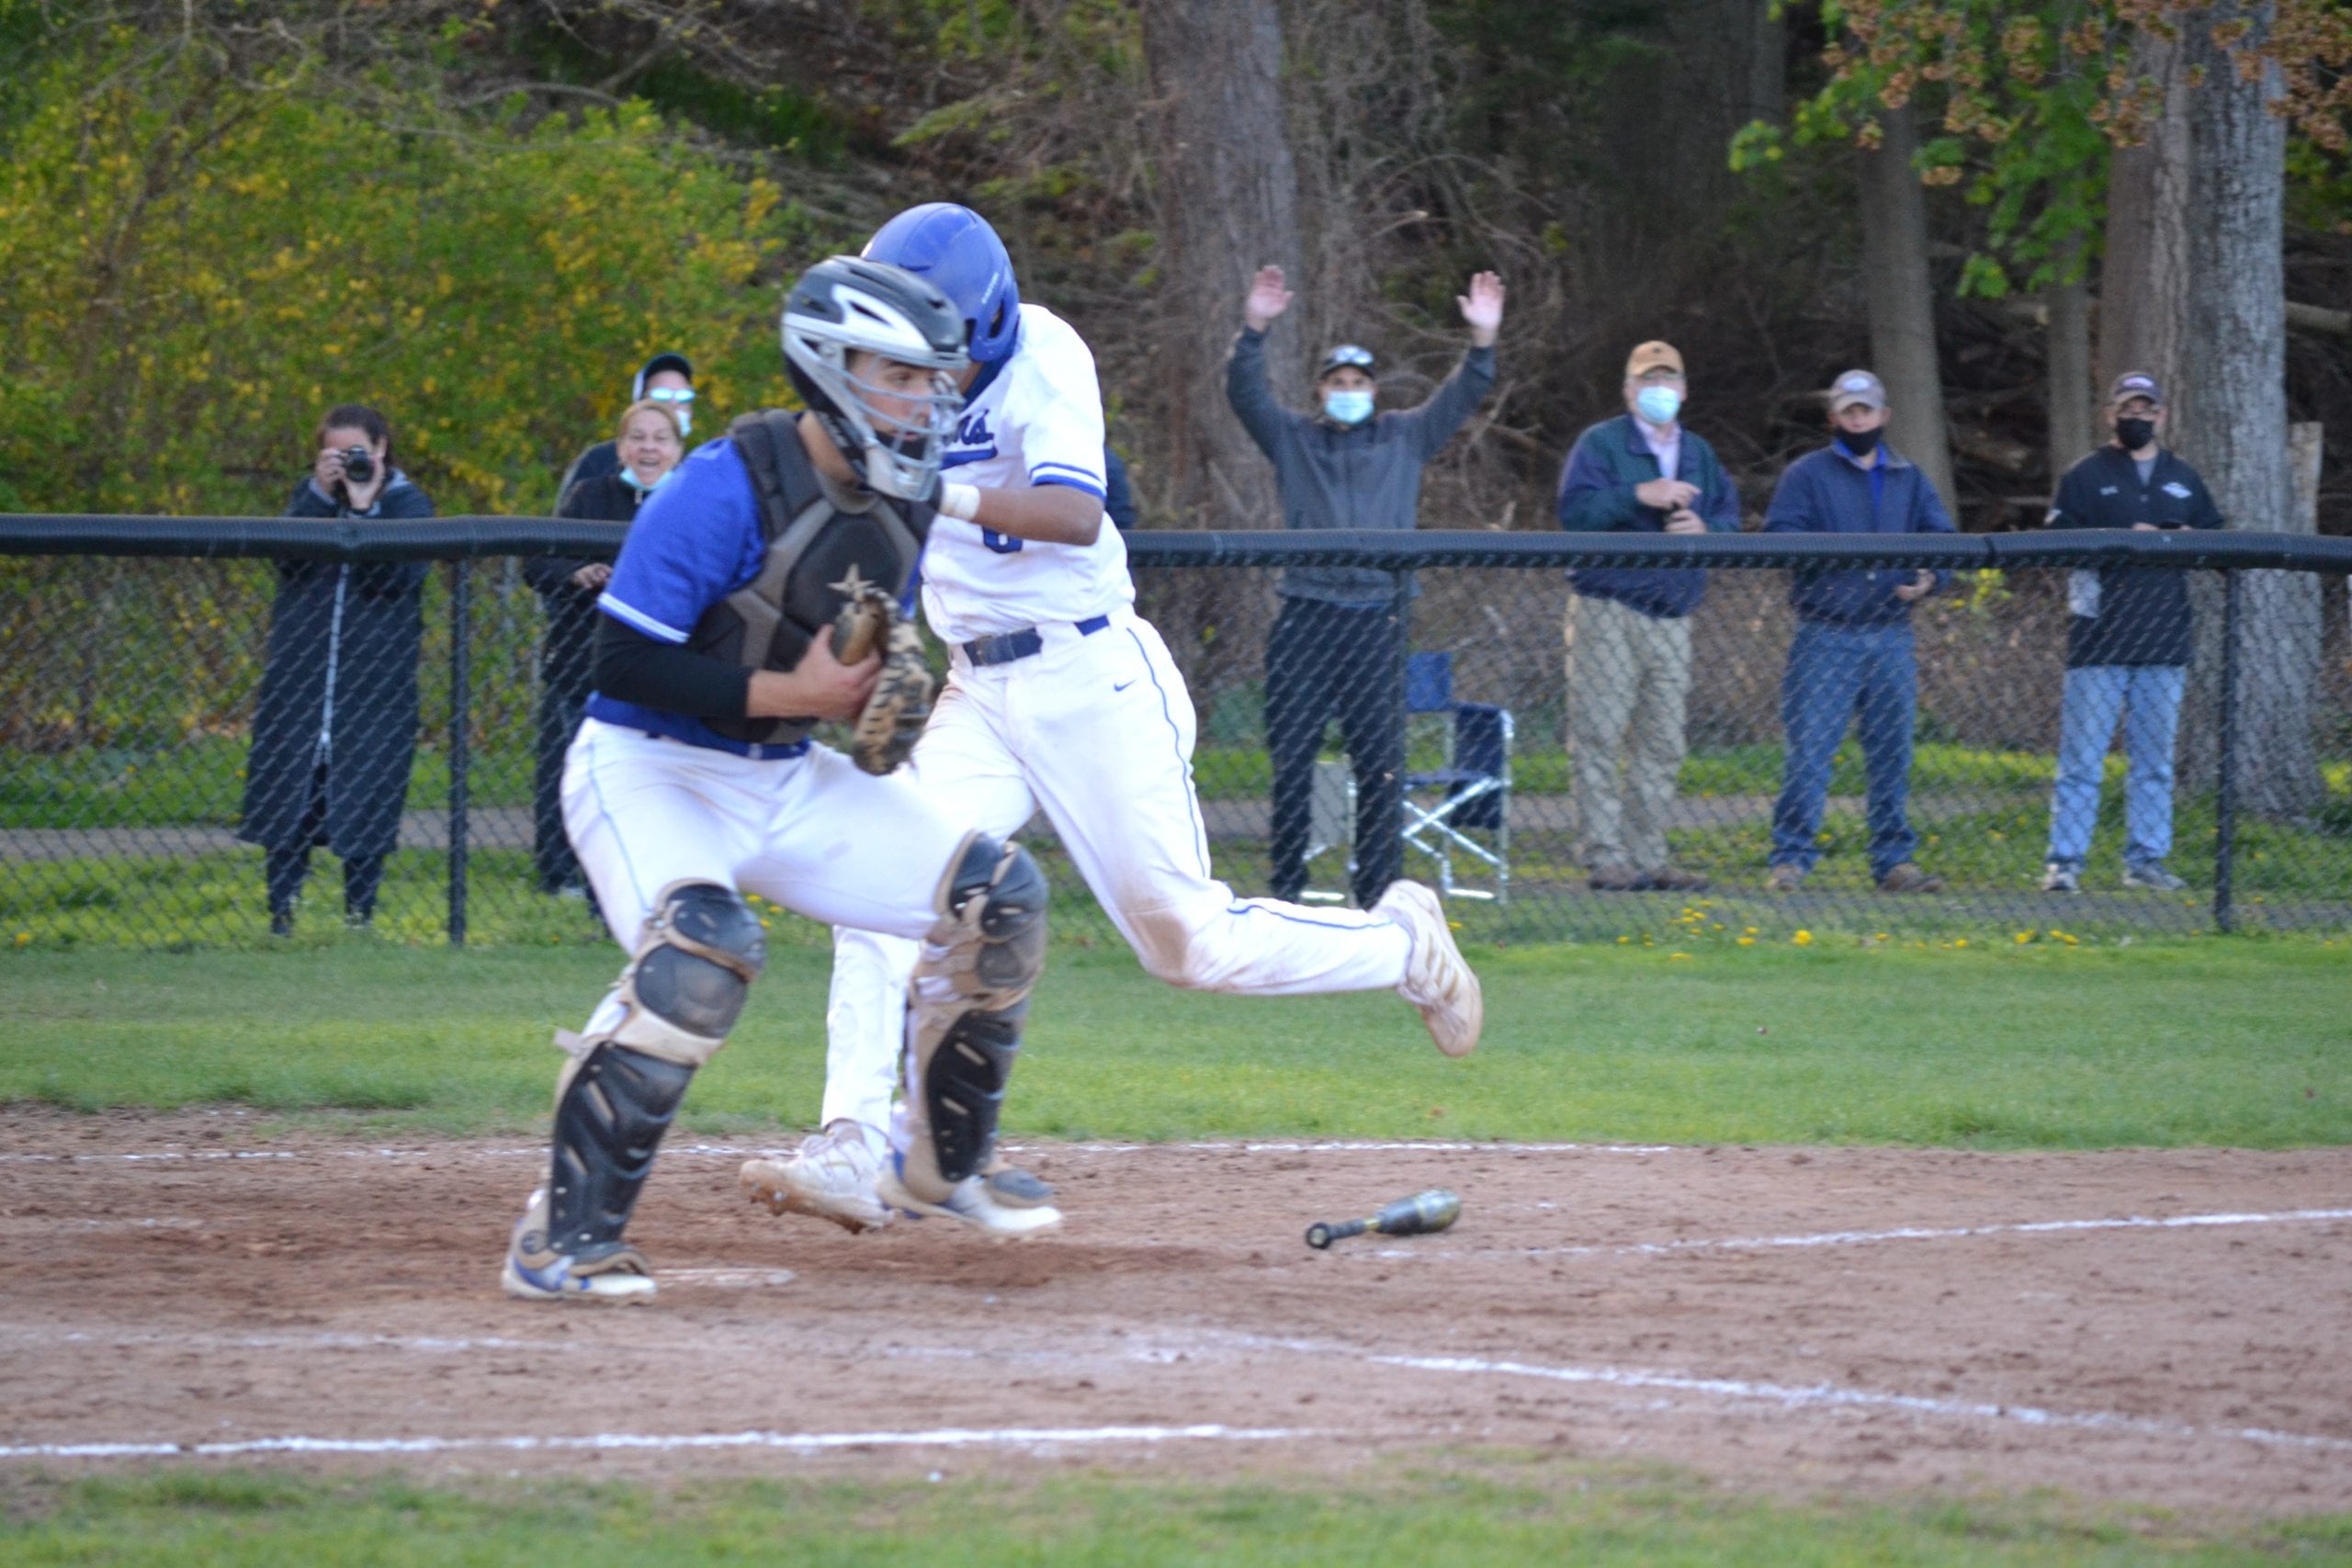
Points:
(1033, 419)
(1095, 729)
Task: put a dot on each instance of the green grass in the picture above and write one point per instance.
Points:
(2218, 1040)
(1480, 1508)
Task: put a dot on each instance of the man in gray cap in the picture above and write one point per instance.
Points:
(1851, 660)
(2128, 643)
(1335, 642)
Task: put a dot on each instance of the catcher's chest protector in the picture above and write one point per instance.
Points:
(819, 536)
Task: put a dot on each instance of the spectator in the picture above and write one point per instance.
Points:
(2128, 644)
(1118, 495)
(1851, 655)
(651, 443)
(667, 377)
(1335, 643)
(334, 726)
(1629, 627)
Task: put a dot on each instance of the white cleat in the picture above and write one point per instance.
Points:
(974, 1202)
(831, 1177)
(1438, 981)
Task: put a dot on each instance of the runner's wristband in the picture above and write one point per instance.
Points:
(959, 501)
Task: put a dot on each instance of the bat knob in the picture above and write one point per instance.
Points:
(1318, 1235)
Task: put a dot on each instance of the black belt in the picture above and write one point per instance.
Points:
(1005, 647)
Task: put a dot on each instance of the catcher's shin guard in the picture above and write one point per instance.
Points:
(669, 1014)
(965, 1008)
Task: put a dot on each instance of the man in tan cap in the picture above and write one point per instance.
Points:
(1629, 627)
(1851, 660)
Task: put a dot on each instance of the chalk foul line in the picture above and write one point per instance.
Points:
(1862, 1238)
(1830, 1396)
(792, 1442)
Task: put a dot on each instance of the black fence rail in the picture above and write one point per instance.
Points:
(188, 706)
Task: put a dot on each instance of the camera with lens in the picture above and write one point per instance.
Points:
(358, 465)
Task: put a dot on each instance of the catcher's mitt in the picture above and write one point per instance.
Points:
(883, 735)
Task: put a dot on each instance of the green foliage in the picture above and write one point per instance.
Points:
(200, 264)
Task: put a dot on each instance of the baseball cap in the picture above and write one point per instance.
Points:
(1346, 355)
(1857, 387)
(1651, 357)
(2136, 384)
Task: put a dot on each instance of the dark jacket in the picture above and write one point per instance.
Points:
(1596, 496)
(1365, 475)
(2144, 612)
(566, 650)
(338, 686)
(1118, 495)
(1824, 492)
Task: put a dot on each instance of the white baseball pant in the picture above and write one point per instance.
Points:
(1097, 732)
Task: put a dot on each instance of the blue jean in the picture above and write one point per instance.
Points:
(2147, 698)
(1835, 674)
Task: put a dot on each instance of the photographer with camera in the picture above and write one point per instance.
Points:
(335, 725)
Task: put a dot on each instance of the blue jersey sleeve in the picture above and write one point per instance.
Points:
(696, 540)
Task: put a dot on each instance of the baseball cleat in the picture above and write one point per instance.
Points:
(975, 1203)
(1438, 981)
(536, 1272)
(831, 1178)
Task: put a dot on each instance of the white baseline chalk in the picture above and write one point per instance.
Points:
(1828, 1395)
(797, 1443)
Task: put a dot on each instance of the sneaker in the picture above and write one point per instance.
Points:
(1787, 878)
(2058, 877)
(2153, 877)
(1674, 879)
(1908, 878)
(535, 1271)
(973, 1202)
(1437, 980)
(831, 1177)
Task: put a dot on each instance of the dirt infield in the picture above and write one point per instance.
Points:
(2158, 1326)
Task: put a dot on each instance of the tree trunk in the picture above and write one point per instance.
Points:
(2219, 273)
(1227, 194)
(1903, 302)
(2071, 397)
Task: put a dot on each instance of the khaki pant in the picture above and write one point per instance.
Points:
(1629, 676)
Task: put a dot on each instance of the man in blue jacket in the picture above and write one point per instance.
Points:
(1629, 627)
(1851, 655)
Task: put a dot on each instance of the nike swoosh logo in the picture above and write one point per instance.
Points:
(1124, 685)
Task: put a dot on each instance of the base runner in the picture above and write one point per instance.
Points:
(1060, 697)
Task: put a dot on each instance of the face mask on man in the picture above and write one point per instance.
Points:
(1860, 443)
(2134, 434)
(1347, 406)
(1658, 404)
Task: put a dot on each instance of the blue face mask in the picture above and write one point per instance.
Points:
(1346, 407)
(628, 476)
(1658, 404)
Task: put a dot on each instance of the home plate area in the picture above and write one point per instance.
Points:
(2166, 1326)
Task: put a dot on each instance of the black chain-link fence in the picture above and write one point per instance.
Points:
(2069, 736)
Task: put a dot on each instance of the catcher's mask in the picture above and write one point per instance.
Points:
(845, 305)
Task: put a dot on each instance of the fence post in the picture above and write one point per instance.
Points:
(2225, 797)
(460, 753)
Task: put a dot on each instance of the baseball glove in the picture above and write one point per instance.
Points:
(883, 735)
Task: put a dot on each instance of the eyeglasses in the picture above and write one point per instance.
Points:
(671, 394)
(1348, 354)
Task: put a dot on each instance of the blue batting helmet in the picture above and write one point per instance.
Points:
(952, 249)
